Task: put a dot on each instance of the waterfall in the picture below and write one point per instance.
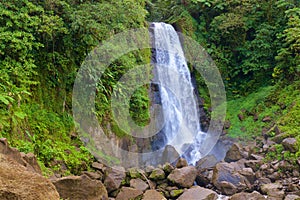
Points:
(181, 124)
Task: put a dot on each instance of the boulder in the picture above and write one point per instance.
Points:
(17, 182)
(235, 153)
(127, 193)
(248, 196)
(198, 193)
(290, 144)
(184, 177)
(228, 180)
(113, 178)
(80, 187)
(153, 195)
(138, 184)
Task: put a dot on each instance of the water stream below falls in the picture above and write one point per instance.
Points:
(181, 122)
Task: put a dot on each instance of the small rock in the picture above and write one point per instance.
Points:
(253, 164)
(208, 161)
(127, 193)
(248, 196)
(113, 178)
(157, 174)
(176, 193)
(290, 144)
(94, 175)
(234, 153)
(292, 197)
(266, 119)
(153, 195)
(198, 193)
(168, 168)
(273, 190)
(139, 184)
(184, 177)
(98, 166)
(181, 163)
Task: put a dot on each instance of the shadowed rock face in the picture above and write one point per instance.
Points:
(16, 182)
(80, 187)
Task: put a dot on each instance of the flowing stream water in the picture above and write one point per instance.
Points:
(181, 125)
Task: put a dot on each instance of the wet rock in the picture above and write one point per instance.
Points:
(80, 187)
(153, 195)
(198, 193)
(17, 182)
(290, 144)
(139, 184)
(184, 177)
(181, 163)
(248, 196)
(127, 193)
(235, 153)
(228, 180)
(208, 161)
(113, 178)
(157, 174)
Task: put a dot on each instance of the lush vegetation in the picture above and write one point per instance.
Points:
(255, 44)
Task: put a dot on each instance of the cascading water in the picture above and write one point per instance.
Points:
(181, 127)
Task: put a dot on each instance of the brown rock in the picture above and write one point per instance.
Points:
(94, 175)
(138, 184)
(184, 177)
(248, 196)
(181, 163)
(17, 182)
(80, 187)
(198, 193)
(234, 153)
(27, 160)
(113, 178)
(290, 144)
(157, 174)
(253, 164)
(128, 193)
(153, 195)
(273, 190)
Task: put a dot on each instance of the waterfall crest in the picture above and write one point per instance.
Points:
(181, 125)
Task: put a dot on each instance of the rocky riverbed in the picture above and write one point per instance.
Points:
(243, 173)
